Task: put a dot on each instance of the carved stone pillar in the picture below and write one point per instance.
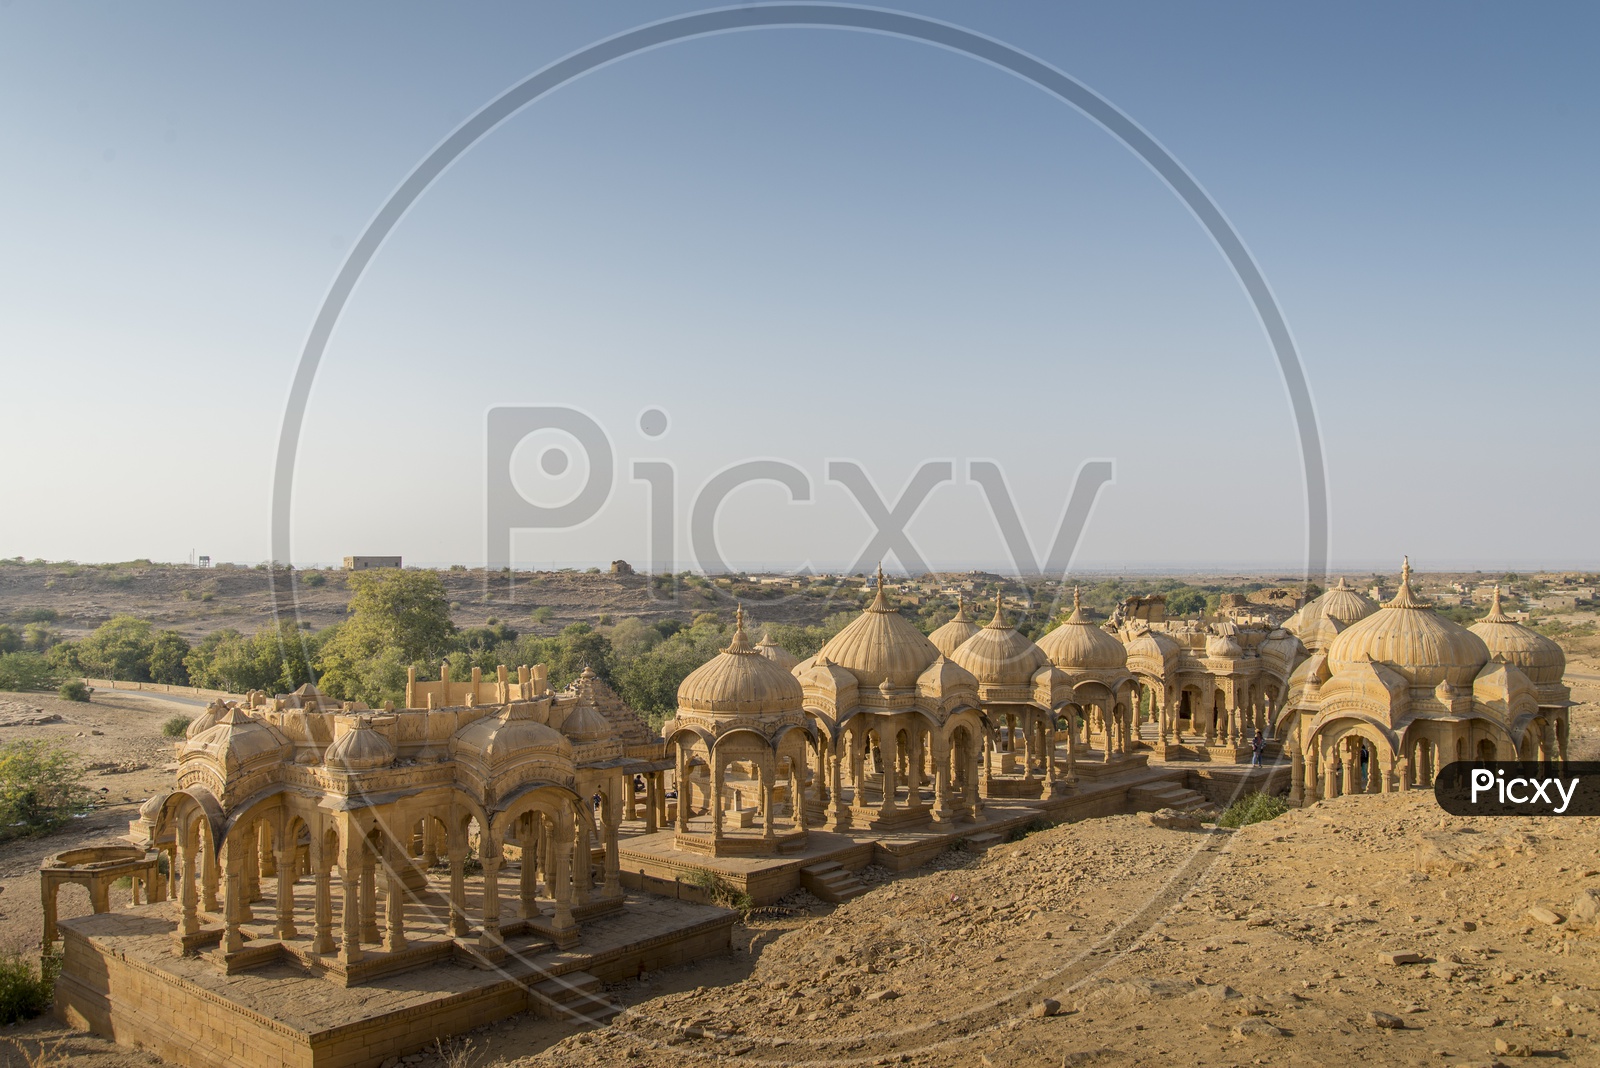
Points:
(394, 916)
(322, 868)
(369, 894)
(489, 936)
(285, 871)
(716, 797)
(459, 927)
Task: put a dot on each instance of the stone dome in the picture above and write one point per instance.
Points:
(948, 638)
(1148, 643)
(1223, 647)
(515, 732)
(1340, 603)
(998, 655)
(205, 720)
(776, 653)
(360, 748)
(586, 726)
(1536, 656)
(238, 741)
(150, 811)
(1409, 636)
(739, 679)
(1079, 645)
(881, 644)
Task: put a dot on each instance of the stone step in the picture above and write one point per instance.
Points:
(575, 997)
(984, 840)
(831, 882)
(1153, 796)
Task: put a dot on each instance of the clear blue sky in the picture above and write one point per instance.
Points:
(807, 245)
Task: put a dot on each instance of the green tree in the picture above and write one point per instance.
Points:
(39, 787)
(39, 638)
(649, 681)
(398, 619)
(119, 648)
(24, 671)
(167, 652)
(10, 640)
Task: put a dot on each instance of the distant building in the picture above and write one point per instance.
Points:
(367, 563)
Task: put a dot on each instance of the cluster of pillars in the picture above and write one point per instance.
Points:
(654, 803)
(766, 785)
(554, 855)
(905, 755)
(1225, 720)
(1036, 729)
(1115, 726)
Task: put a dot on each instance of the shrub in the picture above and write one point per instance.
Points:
(74, 690)
(312, 579)
(26, 991)
(39, 787)
(176, 727)
(1253, 808)
(27, 671)
(721, 892)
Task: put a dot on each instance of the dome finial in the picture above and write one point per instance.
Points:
(1496, 613)
(999, 619)
(1405, 597)
(1077, 608)
(740, 643)
(879, 602)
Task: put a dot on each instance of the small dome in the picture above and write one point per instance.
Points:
(205, 720)
(1539, 658)
(150, 811)
(1411, 637)
(513, 734)
(1223, 647)
(238, 740)
(998, 655)
(776, 653)
(586, 726)
(881, 644)
(739, 679)
(948, 638)
(1340, 604)
(1149, 643)
(360, 748)
(945, 676)
(1079, 645)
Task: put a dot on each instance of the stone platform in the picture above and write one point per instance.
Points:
(121, 979)
(650, 861)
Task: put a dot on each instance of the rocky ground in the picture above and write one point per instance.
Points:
(1115, 942)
